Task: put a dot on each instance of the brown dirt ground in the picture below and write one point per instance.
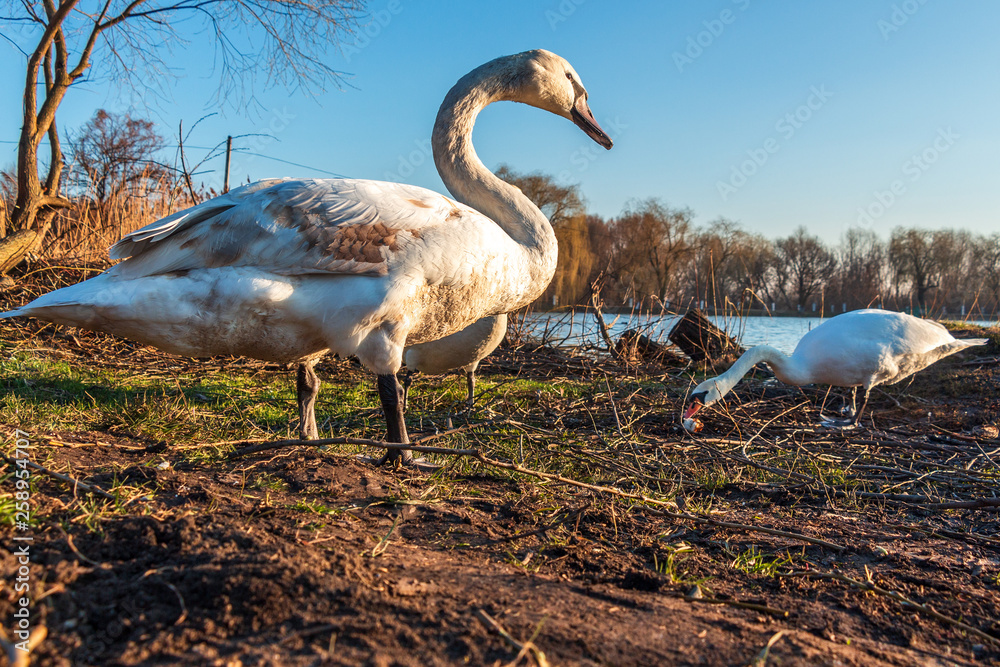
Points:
(401, 566)
(213, 575)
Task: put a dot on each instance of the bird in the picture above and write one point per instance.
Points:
(463, 349)
(862, 348)
(287, 270)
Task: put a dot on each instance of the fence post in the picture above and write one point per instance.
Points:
(229, 152)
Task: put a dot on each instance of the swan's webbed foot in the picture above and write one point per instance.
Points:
(844, 424)
(397, 458)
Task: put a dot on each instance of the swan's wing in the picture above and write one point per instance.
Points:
(291, 227)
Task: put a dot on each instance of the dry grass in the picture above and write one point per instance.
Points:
(83, 233)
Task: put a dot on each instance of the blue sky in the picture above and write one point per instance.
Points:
(779, 114)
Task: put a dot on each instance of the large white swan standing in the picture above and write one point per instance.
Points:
(286, 270)
(863, 348)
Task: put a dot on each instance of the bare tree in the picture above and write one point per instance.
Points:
(987, 265)
(559, 203)
(803, 265)
(115, 152)
(716, 266)
(862, 267)
(280, 41)
(952, 250)
(914, 262)
(652, 241)
(755, 259)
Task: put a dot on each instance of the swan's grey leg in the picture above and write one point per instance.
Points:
(307, 386)
(864, 403)
(853, 419)
(850, 409)
(391, 396)
(470, 381)
(407, 381)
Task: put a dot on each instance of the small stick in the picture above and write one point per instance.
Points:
(980, 503)
(69, 541)
(62, 478)
(739, 605)
(661, 503)
(384, 542)
(180, 598)
(523, 649)
(17, 657)
(761, 659)
(415, 445)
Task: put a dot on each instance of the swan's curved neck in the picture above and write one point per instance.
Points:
(468, 179)
(785, 368)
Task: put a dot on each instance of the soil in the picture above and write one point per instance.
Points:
(306, 556)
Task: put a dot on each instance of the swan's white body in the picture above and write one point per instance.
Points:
(286, 270)
(863, 348)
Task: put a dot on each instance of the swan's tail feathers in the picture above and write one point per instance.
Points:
(956, 346)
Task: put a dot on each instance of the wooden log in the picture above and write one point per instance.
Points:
(15, 247)
(699, 339)
(637, 347)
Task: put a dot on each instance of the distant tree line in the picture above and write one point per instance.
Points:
(651, 255)
(655, 255)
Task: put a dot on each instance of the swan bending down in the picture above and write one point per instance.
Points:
(287, 270)
(863, 348)
(463, 349)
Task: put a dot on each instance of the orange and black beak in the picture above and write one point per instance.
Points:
(696, 404)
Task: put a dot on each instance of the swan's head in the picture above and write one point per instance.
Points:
(704, 395)
(544, 80)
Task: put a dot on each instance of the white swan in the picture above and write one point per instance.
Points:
(463, 349)
(286, 270)
(863, 348)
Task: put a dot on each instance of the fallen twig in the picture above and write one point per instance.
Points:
(415, 446)
(697, 596)
(761, 658)
(485, 460)
(523, 649)
(63, 478)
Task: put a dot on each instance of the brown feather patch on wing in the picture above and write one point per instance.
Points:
(362, 243)
(340, 243)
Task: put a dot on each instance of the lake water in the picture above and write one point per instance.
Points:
(579, 329)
